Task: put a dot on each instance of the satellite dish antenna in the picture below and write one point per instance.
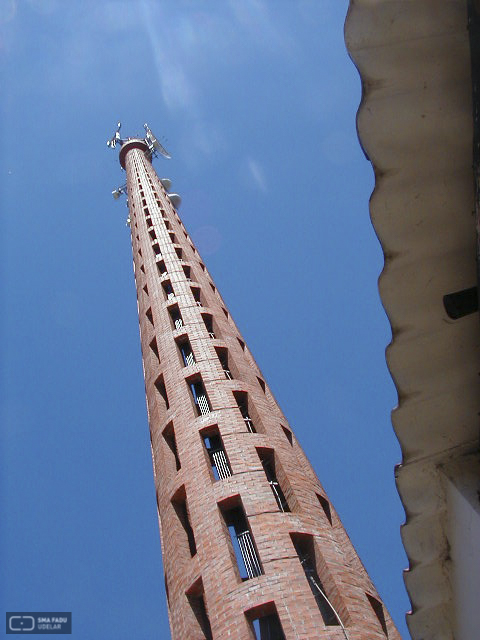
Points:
(153, 143)
(175, 199)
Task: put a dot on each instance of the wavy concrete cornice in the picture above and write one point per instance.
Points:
(415, 125)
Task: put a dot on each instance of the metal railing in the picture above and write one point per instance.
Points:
(328, 611)
(189, 359)
(219, 460)
(249, 423)
(279, 497)
(249, 555)
(202, 403)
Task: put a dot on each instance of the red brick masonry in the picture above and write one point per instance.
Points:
(199, 559)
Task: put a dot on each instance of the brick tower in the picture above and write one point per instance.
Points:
(252, 547)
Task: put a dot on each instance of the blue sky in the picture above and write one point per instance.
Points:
(256, 101)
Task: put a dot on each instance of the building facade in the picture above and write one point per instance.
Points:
(252, 547)
(419, 125)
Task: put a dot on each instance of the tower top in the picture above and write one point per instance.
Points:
(148, 143)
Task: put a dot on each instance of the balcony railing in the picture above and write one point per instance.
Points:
(330, 616)
(279, 497)
(189, 359)
(219, 459)
(249, 555)
(202, 403)
(249, 423)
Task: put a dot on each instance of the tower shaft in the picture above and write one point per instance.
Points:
(251, 545)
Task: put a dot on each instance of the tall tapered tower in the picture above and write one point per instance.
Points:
(252, 547)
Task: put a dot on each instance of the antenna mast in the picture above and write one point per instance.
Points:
(153, 149)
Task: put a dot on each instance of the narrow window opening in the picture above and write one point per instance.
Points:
(213, 287)
(149, 222)
(246, 554)
(265, 622)
(325, 504)
(162, 269)
(169, 437)
(196, 599)
(167, 224)
(149, 315)
(154, 348)
(160, 386)
(306, 553)
(179, 502)
(142, 268)
(200, 397)
(137, 236)
(208, 320)
(222, 354)
(156, 248)
(241, 343)
(152, 233)
(379, 612)
(202, 266)
(166, 589)
(173, 238)
(168, 290)
(262, 384)
(145, 288)
(267, 458)
(176, 317)
(196, 295)
(216, 452)
(288, 433)
(225, 312)
(200, 611)
(268, 628)
(186, 352)
(242, 401)
(179, 253)
(187, 271)
(140, 252)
